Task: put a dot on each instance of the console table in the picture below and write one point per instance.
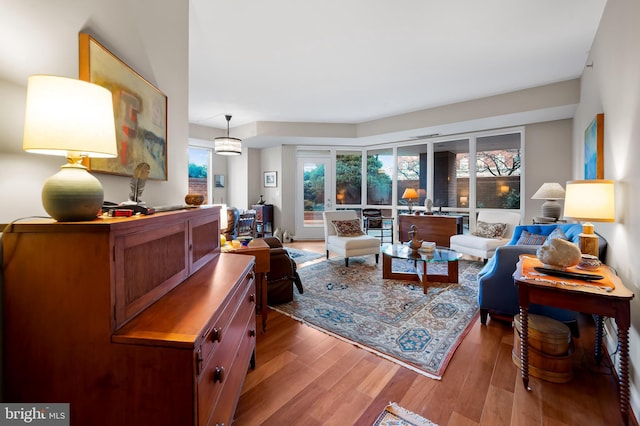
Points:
(581, 298)
(437, 228)
(132, 321)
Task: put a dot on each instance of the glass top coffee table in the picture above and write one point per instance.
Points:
(421, 259)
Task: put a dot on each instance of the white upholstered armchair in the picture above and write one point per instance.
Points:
(350, 242)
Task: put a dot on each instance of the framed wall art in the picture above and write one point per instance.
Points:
(594, 149)
(218, 181)
(270, 179)
(140, 111)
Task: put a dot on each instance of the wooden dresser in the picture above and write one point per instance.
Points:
(437, 228)
(132, 321)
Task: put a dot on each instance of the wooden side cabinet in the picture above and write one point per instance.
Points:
(438, 228)
(130, 320)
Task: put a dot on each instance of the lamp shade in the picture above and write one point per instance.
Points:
(226, 145)
(65, 115)
(410, 194)
(590, 200)
(75, 119)
(549, 191)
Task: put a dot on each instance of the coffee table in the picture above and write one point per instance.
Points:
(440, 254)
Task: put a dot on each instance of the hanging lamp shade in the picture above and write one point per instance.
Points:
(226, 145)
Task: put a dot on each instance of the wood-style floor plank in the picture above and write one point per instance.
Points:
(304, 376)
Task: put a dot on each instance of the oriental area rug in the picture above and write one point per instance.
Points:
(394, 415)
(302, 256)
(391, 318)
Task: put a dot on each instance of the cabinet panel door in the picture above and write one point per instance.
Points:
(205, 240)
(148, 264)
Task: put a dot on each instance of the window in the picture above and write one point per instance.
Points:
(379, 176)
(348, 177)
(451, 174)
(199, 166)
(411, 166)
(498, 171)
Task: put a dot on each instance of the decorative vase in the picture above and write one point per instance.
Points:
(194, 199)
(261, 200)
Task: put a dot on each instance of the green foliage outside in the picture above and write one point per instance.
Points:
(196, 171)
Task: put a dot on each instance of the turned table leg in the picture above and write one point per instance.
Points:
(524, 346)
(599, 334)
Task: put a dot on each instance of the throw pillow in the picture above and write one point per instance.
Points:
(348, 228)
(531, 239)
(557, 233)
(490, 230)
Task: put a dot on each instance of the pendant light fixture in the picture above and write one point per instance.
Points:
(226, 145)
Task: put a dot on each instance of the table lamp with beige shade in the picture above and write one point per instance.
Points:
(589, 201)
(73, 119)
(551, 192)
(410, 194)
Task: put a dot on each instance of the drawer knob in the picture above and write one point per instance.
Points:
(218, 374)
(252, 333)
(252, 297)
(216, 334)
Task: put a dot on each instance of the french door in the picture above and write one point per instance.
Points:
(314, 194)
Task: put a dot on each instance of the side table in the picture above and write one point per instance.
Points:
(261, 251)
(581, 297)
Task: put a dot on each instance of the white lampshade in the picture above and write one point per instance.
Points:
(549, 191)
(71, 118)
(66, 115)
(226, 145)
(590, 200)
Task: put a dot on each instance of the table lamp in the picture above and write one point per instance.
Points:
(410, 194)
(551, 192)
(589, 201)
(75, 119)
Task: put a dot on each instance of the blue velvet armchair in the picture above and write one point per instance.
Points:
(497, 293)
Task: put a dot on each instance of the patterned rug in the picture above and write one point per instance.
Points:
(394, 415)
(391, 318)
(302, 256)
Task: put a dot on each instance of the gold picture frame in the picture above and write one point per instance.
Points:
(140, 111)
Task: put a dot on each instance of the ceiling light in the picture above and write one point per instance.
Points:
(226, 145)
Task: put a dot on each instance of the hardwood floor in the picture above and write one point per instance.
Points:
(306, 377)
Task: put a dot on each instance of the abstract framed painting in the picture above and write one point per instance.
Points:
(594, 149)
(140, 111)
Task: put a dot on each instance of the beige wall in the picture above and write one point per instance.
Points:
(612, 86)
(45, 41)
(547, 158)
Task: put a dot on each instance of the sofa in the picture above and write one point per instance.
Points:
(497, 292)
(485, 246)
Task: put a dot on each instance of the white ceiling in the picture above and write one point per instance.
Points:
(351, 61)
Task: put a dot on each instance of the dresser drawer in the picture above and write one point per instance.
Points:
(218, 328)
(226, 406)
(219, 368)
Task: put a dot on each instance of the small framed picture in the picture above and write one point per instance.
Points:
(270, 179)
(218, 181)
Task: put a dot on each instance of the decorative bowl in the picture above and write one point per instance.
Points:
(245, 240)
(589, 262)
(194, 199)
